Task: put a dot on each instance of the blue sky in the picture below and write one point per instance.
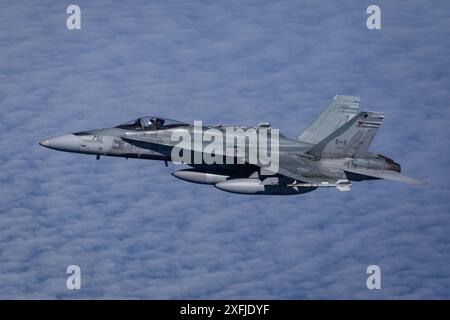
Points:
(136, 232)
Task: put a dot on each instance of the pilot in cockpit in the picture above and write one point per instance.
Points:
(159, 123)
(155, 124)
(151, 123)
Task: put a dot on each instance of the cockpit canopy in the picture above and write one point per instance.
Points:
(151, 123)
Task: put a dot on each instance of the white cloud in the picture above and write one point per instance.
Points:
(138, 233)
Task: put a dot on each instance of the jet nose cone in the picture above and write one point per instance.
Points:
(68, 142)
(45, 143)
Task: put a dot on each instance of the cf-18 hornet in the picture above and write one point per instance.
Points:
(333, 151)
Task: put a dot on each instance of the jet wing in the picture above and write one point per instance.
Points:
(166, 148)
(386, 175)
(293, 166)
(303, 169)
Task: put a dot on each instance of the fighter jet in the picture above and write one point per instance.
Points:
(331, 152)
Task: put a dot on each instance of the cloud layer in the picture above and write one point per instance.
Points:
(136, 232)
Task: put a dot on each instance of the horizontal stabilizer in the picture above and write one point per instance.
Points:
(386, 175)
